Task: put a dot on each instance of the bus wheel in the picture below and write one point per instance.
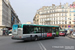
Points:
(53, 37)
(36, 38)
(30, 37)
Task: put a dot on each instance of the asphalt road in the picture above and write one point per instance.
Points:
(59, 43)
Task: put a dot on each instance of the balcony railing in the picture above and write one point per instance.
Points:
(54, 12)
(47, 20)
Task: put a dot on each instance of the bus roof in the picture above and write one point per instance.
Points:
(41, 25)
(37, 25)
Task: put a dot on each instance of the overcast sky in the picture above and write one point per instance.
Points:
(26, 9)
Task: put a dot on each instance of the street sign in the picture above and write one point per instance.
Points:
(69, 26)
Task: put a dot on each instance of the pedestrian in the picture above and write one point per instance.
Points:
(4, 32)
(68, 32)
(65, 32)
(71, 32)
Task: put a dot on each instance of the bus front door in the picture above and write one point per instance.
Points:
(43, 33)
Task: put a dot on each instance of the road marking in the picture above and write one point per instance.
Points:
(42, 47)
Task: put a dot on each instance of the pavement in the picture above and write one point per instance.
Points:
(59, 43)
(70, 36)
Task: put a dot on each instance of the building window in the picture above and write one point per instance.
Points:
(37, 19)
(53, 14)
(45, 8)
(37, 16)
(65, 14)
(74, 26)
(74, 14)
(54, 10)
(56, 22)
(59, 26)
(62, 22)
(54, 18)
(65, 18)
(62, 14)
(15, 20)
(69, 22)
(74, 22)
(59, 22)
(70, 18)
(70, 14)
(62, 26)
(65, 10)
(65, 22)
(62, 10)
(65, 26)
(12, 18)
(62, 18)
(51, 11)
(74, 18)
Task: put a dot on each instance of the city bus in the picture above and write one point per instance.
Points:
(34, 32)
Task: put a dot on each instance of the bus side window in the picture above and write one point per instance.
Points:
(42, 30)
(49, 30)
(37, 29)
(27, 29)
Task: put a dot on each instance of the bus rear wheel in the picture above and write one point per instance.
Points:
(53, 37)
(36, 38)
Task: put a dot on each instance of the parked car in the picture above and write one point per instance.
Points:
(10, 32)
(62, 33)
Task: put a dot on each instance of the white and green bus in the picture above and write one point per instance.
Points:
(34, 32)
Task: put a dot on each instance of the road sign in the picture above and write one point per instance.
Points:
(69, 26)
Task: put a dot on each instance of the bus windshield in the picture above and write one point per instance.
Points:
(15, 27)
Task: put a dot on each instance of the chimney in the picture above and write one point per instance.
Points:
(53, 4)
(60, 4)
(73, 2)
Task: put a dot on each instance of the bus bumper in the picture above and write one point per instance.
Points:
(17, 38)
